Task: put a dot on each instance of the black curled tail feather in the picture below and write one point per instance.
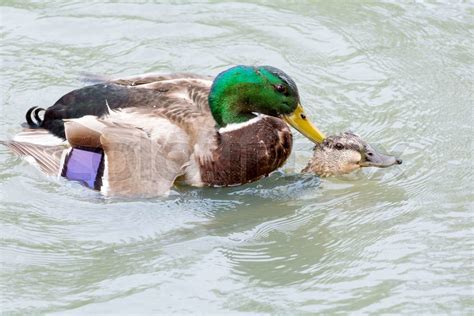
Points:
(33, 117)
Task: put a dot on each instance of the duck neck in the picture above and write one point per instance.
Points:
(228, 109)
(321, 164)
(231, 94)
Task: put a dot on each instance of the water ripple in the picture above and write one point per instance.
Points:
(387, 241)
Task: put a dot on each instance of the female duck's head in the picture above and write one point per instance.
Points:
(342, 154)
(238, 93)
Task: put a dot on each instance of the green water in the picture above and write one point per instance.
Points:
(398, 240)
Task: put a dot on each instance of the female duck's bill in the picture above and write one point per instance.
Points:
(342, 154)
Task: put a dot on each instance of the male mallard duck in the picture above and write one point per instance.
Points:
(136, 136)
(345, 153)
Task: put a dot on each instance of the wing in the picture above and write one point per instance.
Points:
(142, 159)
(186, 95)
(156, 77)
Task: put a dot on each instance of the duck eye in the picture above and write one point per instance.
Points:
(281, 88)
(339, 146)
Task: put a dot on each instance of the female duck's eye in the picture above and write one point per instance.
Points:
(339, 146)
(281, 88)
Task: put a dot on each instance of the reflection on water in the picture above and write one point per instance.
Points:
(378, 241)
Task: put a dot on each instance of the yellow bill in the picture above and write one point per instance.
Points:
(298, 120)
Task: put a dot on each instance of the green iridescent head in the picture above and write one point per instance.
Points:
(241, 91)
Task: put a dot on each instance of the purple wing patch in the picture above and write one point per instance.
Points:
(83, 165)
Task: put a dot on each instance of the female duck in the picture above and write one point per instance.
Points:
(137, 136)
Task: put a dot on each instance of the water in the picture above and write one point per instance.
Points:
(398, 240)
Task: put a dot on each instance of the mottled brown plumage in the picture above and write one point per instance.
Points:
(345, 153)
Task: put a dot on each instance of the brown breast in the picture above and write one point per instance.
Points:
(249, 153)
